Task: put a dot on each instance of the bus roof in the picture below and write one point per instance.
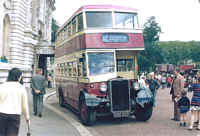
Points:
(111, 7)
(99, 7)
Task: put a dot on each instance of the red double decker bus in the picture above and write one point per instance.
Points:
(96, 67)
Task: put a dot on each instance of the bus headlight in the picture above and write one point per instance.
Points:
(91, 85)
(103, 87)
(136, 86)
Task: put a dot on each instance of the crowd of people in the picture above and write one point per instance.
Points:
(179, 85)
(182, 104)
(14, 99)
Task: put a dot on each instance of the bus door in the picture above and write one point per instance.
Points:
(126, 66)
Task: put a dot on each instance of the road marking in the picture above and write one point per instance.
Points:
(81, 129)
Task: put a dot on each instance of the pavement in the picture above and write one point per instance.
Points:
(50, 124)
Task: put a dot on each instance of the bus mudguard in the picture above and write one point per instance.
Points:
(144, 96)
(91, 100)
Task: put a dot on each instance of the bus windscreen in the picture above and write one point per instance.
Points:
(101, 63)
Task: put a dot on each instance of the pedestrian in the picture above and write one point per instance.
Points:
(172, 91)
(142, 81)
(195, 104)
(189, 84)
(153, 85)
(178, 86)
(184, 107)
(38, 91)
(163, 80)
(49, 81)
(159, 78)
(169, 81)
(196, 81)
(13, 102)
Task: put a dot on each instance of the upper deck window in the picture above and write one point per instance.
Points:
(74, 25)
(126, 20)
(80, 22)
(99, 19)
(69, 29)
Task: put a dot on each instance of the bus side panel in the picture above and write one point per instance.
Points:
(61, 86)
(75, 44)
(75, 94)
(95, 41)
(71, 92)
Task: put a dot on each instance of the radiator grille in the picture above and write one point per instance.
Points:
(120, 95)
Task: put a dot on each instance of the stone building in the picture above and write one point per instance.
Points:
(25, 35)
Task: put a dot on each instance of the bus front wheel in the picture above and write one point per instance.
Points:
(87, 116)
(144, 114)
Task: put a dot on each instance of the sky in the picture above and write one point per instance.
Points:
(178, 19)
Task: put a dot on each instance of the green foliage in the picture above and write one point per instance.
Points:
(177, 52)
(152, 30)
(171, 52)
(3, 58)
(54, 28)
(152, 53)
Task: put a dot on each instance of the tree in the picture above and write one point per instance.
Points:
(195, 53)
(54, 28)
(178, 53)
(151, 32)
(152, 53)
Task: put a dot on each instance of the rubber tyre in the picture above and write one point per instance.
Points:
(87, 116)
(144, 114)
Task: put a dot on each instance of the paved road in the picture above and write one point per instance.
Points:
(159, 125)
(51, 124)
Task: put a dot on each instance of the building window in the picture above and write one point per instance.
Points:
(42, 11)
(6, 34)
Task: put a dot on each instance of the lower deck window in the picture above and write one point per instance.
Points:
(124, 65)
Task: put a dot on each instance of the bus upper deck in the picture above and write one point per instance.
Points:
(103, 26)
(94, 30)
